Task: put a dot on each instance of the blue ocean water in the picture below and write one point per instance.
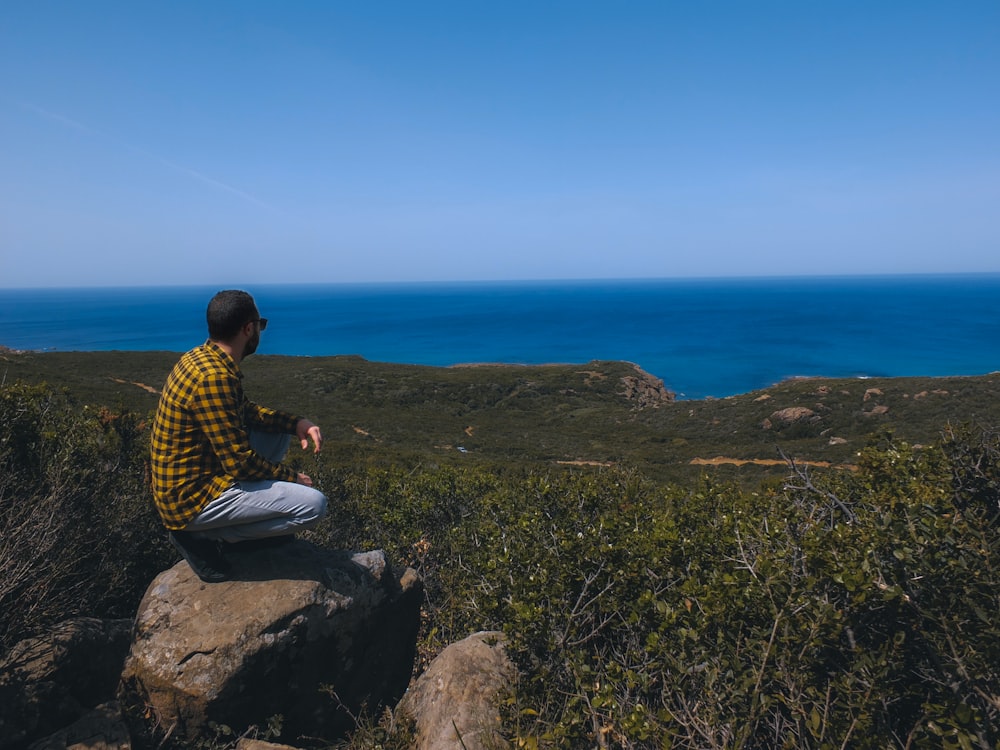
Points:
(706, 337)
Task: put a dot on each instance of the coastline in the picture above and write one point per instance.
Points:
(703, 338)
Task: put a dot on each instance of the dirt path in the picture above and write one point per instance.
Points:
(144, 387)
(720, 460)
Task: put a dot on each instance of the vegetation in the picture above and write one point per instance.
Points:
(649, 602)
(75, 518)
(378, 413)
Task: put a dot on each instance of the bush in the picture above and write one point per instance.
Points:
(849, 609)
(854, 611)
(76, 524)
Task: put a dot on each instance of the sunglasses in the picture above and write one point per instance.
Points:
(262, 321)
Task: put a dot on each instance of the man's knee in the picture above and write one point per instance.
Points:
(321, 503)
(312, 504)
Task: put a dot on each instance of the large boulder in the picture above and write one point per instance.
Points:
(455, 703)
(315, 636)
(52, 680)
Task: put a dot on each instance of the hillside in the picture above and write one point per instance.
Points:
(597, 413)
(850, 607)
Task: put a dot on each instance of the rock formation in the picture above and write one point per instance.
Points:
(645, 390)
(314, 636)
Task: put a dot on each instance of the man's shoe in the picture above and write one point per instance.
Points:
(203, 555)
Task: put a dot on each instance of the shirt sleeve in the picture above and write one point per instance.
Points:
(269, 420)
(217, 410)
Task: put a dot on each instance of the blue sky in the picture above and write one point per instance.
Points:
(248, 142)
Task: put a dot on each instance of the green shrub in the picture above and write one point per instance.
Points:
(844, 609)
(854, 611)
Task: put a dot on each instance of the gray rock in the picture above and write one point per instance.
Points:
(100, 729)
(791, 415)
(455, 703)
(312, 635)
(51, 681)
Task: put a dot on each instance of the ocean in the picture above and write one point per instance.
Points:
(703, 337)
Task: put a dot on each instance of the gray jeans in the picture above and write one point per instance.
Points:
(254, 510)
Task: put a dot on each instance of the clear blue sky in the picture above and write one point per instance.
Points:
(246, 142)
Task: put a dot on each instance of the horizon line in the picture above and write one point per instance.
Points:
(505, 282)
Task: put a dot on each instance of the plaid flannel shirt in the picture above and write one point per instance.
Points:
(200, 441)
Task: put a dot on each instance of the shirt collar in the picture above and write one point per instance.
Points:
(225, 357)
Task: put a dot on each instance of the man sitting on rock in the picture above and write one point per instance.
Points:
(216, 455)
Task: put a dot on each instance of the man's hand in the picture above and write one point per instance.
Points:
(304, 479)
(305, 430)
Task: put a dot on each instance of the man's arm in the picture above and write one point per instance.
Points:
(278, 421)
(272, 420)
(217, 412)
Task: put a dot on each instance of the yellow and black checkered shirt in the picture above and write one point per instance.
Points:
(200, 443)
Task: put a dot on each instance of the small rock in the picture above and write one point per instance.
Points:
(248, 744)
(454, 704)
(876, 410)
(792, 414)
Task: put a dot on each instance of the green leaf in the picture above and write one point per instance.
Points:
(814, 722)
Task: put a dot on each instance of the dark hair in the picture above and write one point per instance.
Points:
(229, 311)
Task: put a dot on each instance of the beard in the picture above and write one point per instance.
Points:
(251, 345)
